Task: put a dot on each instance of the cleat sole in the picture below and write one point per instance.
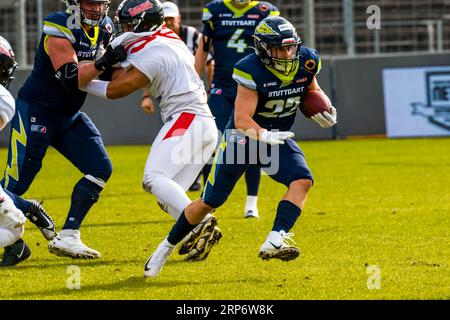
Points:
(285, 254)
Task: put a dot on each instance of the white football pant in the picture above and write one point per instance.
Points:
(9, 217)
(181, 149)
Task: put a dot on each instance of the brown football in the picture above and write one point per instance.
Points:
(313, 102)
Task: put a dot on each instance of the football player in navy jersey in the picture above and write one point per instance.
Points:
(228, 29)
(271, 84)
(71, 51)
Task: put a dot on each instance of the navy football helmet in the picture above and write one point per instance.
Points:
(90, 17)
(8, 63)
(277, 44)
(141, 15)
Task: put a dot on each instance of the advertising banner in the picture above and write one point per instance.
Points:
(417, 101)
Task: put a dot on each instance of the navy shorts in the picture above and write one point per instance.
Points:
(283, 163)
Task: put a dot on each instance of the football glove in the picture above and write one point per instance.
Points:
(275, 137)
(325, 119)
(111, 57)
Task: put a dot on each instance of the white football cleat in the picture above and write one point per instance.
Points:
(68, 243)
(279, 245)
(156, 262)
(251, 213)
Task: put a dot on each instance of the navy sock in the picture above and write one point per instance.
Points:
(84, 195)
(287, 215)
(252, 178)
(180, 230)
(20, 203)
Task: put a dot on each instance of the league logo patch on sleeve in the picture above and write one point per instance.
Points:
(38, 128)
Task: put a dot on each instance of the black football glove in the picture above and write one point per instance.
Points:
(110, 58)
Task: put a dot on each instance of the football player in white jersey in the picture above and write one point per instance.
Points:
(12, 220)
(162, 63)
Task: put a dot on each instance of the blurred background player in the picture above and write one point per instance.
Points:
(228, 29)
(161, 62)
(279, 58)
(191, 37)
(47, 113)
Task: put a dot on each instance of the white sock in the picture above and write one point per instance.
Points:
(251, 202)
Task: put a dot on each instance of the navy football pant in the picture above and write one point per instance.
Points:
(284, 163)
(222, 108)
(34, 130)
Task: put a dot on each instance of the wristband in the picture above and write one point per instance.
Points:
(98, 88)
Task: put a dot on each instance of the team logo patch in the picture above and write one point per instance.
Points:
(253, 16)
(140, 8)
(38, 128)
(263, 28)
(109, 28)
(301, 80)
(270, 84)
(310, 64)
(264, 7)
(216, 91)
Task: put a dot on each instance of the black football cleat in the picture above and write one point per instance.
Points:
(15, 253)
(199, 242)
(37, 215)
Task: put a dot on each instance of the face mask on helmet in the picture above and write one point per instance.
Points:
(138, 16)
(92, 11)
(241, 2)
(285, 58)
(7, 63)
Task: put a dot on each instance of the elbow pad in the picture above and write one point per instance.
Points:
(68, 75)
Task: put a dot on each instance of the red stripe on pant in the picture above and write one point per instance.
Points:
(180, 126)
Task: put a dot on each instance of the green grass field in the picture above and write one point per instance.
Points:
(383, 203)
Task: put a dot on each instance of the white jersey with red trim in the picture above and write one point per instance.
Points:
(169, 65)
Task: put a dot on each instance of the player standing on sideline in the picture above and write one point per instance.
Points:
(228, 28)
(191, 37)
(47, 113)
(261, 110)
(159, 61)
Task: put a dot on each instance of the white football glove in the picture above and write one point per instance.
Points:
(276, 137)
(325, 119)
(9, 211)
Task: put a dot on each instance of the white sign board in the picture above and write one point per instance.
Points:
(417, 101)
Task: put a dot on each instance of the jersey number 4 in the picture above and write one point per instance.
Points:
(235, 42)
(281, 108)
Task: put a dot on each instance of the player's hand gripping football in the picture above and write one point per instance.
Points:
(275, 137)
(111, 57)
(326, 119)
